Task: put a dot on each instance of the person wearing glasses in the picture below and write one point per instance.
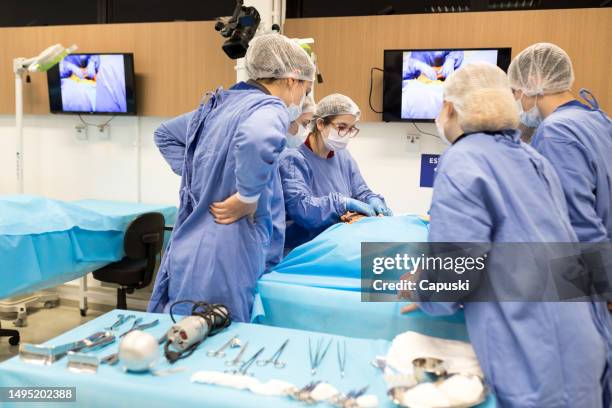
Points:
(321, 180)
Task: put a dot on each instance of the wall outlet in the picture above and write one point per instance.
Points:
(413, 142)
(80, 132)
(103, 132)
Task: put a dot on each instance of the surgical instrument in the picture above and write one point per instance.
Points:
(245, 366)
(37, 354)
(82, 363)
(341, 357)
(232, 343)
(317, 358)
(138, 325)
(275, 357)
(236, 360)
(121, 318)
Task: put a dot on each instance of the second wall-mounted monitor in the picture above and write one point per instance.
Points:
(413, 79)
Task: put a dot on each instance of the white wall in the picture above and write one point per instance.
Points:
(60, 166)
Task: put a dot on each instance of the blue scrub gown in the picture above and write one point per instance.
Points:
(229, 144)
(577, 140)
(492, 188)
(314, 187)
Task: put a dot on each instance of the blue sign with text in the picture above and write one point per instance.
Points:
(429, 164)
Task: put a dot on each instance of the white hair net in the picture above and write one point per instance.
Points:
(309, 105)
(542, 68)
(482, 98)
(336, 104)
(276, 56)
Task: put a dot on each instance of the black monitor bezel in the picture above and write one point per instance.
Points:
(392, 78)
(55, 93)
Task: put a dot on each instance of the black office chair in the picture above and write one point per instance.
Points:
(143, 241)
(13, 336)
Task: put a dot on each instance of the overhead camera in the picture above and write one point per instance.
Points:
(239, 29)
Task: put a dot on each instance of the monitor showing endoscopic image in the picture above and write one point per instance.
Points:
(93, 84)
(413, 79)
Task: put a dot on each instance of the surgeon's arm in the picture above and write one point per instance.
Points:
(259, 140)
(170, 138)
(359, 188)
(458, 214)
(302, 205)
(577, 177)
(452, 62)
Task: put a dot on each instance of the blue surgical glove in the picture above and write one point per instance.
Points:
(68, 68)
(448, 68)
(426, 70)
(359, 207)
(380, 207)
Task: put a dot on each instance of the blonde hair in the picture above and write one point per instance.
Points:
(481, 96)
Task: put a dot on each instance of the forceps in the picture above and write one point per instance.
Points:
(275, 357)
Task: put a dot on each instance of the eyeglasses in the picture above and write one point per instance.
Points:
(344, 131)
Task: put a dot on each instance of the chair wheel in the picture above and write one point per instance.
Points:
(13, 341)
(83, 312)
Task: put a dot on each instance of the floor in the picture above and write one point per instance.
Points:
(43, 324)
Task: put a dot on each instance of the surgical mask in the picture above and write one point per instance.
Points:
(295, 110)
(294, 141)
(333, 141)
(441, 132)
(532, 117)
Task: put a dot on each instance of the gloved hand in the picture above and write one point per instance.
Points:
(68, 68)
(232, 209)
(426, 70)
(359, 207)
(447, 68)
(380, 207)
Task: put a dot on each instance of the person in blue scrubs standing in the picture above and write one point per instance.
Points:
(321, 180)
(296, 134)
(577, 139)
(493, 189)
(226, 153)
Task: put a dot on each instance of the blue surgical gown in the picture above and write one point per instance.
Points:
(577, 140)
(492, 188)
(229, 144)
(313, 189)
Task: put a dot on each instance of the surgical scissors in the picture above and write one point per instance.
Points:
(275, 357)
(244, 367)
(236, 361)
(233, 342)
